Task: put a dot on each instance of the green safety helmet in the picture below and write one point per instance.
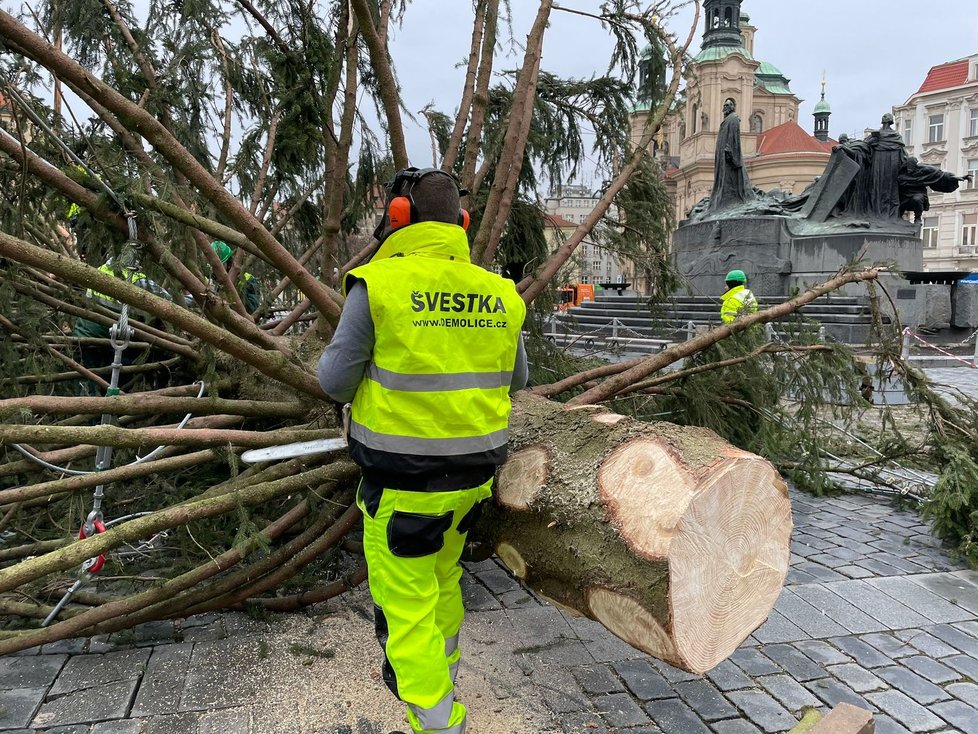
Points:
(736, 276)
(222, 249)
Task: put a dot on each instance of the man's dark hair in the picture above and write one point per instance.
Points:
(436, 197)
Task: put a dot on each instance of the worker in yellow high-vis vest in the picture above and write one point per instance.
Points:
(428, 349)
(738, 300)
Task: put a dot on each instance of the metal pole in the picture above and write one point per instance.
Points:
(905, 351)
(769, 330)
(690, 330)
(974, 358)
(614, 329)
(821, 333)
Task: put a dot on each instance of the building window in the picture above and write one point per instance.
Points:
(756, 123)
(585, 279)
(936, 129)
(908, 132)
(583, 250)
(973, 127)
(596, 265)
(929, 232)
(969, 230)
(973, 172)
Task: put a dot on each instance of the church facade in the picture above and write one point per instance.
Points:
(777, 151)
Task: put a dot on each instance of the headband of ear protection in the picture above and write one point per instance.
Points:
(401, 210)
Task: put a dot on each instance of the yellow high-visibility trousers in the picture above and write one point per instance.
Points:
(413, 541)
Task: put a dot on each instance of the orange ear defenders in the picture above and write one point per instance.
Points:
(402, 211)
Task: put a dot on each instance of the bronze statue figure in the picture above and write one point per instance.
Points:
(731, 184)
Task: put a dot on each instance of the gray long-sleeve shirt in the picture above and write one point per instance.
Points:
(345, 360)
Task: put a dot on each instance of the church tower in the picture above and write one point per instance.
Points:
(821, 114)
(722, 23)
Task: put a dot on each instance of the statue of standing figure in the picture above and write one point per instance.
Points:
(731, 184)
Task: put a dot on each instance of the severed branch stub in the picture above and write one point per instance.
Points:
(670, 537)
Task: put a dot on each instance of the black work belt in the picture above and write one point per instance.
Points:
(449, 482)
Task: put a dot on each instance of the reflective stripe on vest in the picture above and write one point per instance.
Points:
(445, 339)
(131, 276)
(735, 301)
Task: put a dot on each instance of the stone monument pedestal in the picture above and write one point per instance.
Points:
(783, 256)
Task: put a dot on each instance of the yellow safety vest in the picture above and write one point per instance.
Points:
(446, 334)
(131, 276)
(738, 300)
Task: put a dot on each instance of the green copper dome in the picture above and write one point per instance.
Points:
(770, 78)
(822, 106)
(719, 53)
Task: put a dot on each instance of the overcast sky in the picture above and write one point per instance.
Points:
(874, 54)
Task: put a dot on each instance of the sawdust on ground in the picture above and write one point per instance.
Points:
(324, 671)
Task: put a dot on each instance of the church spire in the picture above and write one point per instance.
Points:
(722, 23)
(821, 114)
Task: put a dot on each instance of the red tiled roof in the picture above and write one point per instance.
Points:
(945, 76)
(790, 138)
(552, 220)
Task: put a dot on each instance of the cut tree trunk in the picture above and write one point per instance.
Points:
(674, 540)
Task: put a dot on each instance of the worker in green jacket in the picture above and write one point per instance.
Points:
(428, 349)
(738, 300)
(248, 287)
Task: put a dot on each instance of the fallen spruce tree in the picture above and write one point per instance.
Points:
(670, 536)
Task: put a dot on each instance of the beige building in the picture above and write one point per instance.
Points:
(565, 210)
(778, 152)
(939, 124)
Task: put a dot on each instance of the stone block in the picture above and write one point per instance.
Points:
(88, 705)
(936, 313)
(30, 672)
(18, 707)
(88, 671)
(964, 308)
(645, 682)
(620, 709)
(845, 719)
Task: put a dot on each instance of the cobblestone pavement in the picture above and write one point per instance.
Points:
(961, 378)
(874, 613)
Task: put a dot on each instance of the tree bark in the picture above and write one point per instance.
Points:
(670, 537)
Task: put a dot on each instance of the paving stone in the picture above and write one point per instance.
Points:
(855, 572)
(876, 604)
(798, 577)
(121, 726)
(833, 693)
(926, 643)
(878, 568)
(798, 666)
(753, 662)
(728, 677)
(222, 673)
(644, 681)
(78, 729)
(907, 712)
(970, 627)
(182, 723)
(886, 725)
(673, 675)
(73, 646)
(98, 703)
(955, 638)
(705, 700)
(920, 690)
(778, 629)
(599, 643)
(820, 572)
(857, 677)
(950, 587)
(30, 672)
(163, 681)
(828, 560)
(620, 709)
(930, 669)
(672, 715)
(515, 599)
(822, 652)
(498, 581)
(88, 671)
(920, 599)
(789, 693)
(967, 692)
(889, 645)
(838, 609)
(598, 679)
(225, 721)
(478, 598)
(865, 655)
(19, 706)
(763, 710)
(154, 633)
(577, 723)
(735, 726)
(964, 717)
(902, 564)
(963, 664)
